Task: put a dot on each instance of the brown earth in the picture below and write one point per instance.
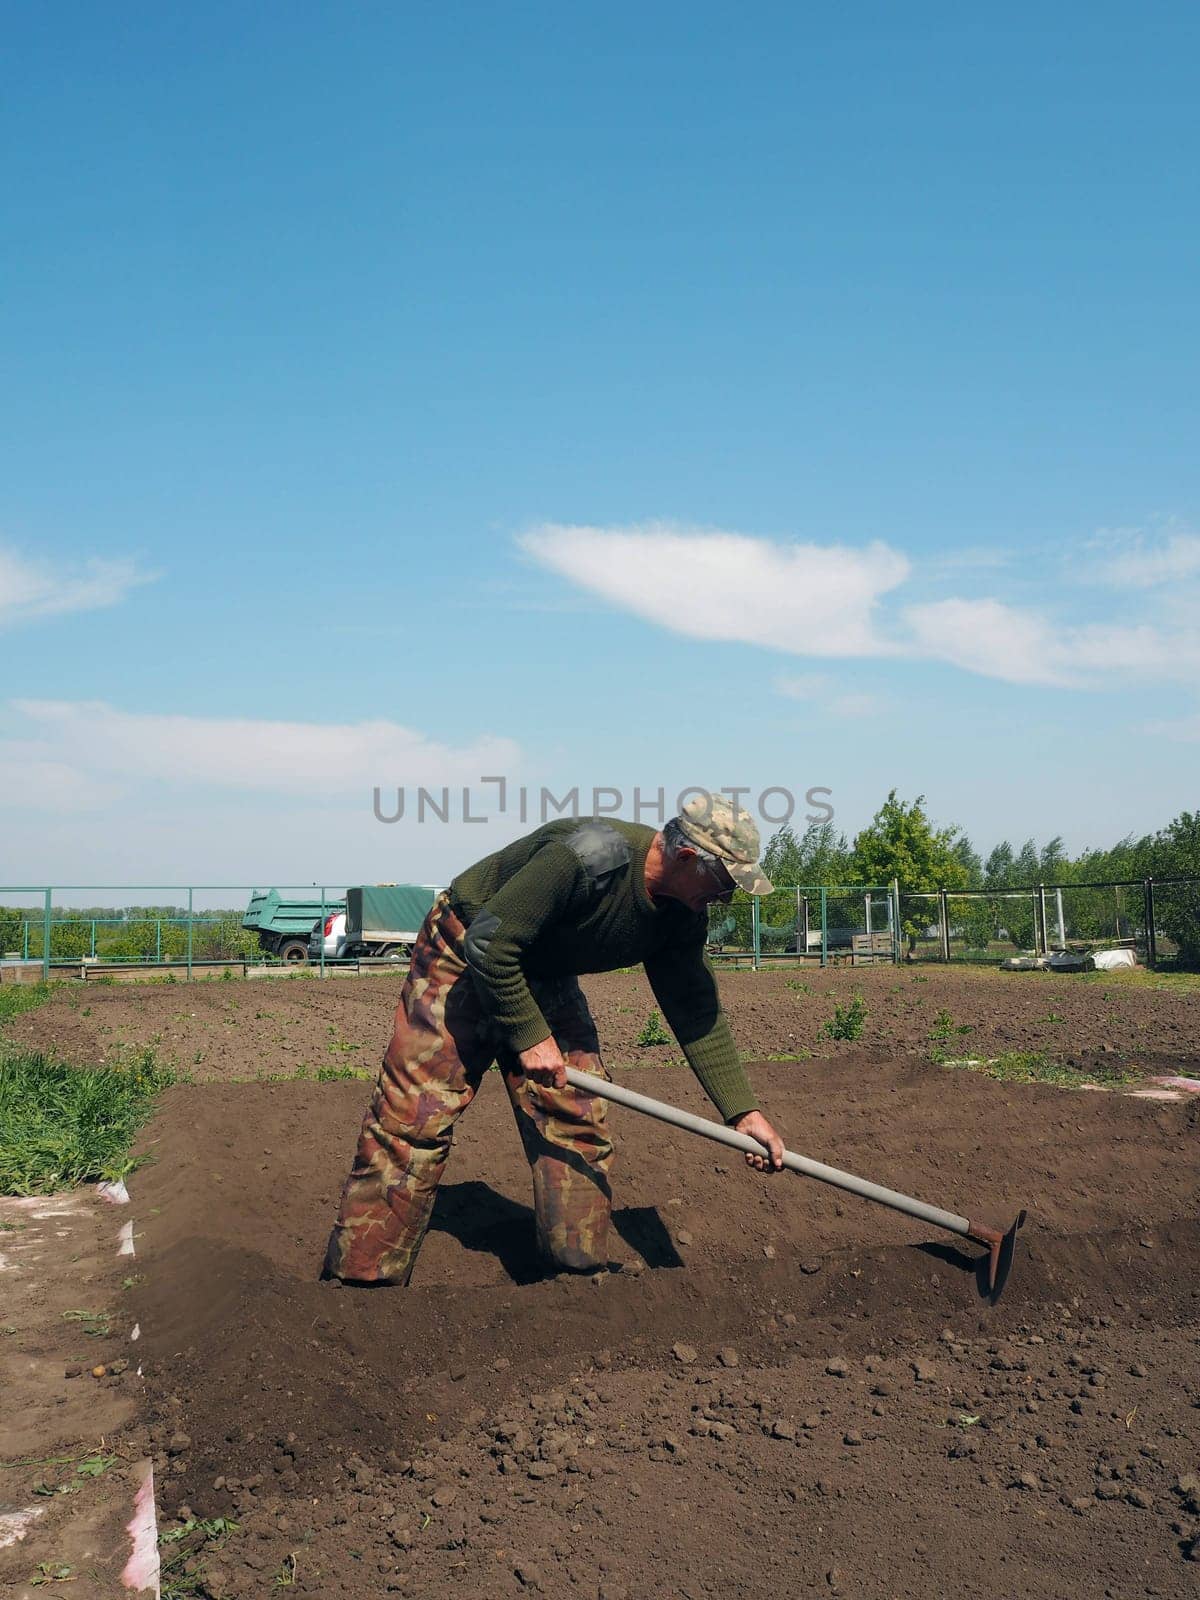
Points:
(779, 1388)
(241, 1030)
(672, 1428)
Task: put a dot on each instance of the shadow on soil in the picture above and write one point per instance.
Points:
(482, 1219)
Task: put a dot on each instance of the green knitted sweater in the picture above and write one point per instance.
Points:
(570, 898)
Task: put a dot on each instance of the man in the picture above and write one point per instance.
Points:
(494, 977)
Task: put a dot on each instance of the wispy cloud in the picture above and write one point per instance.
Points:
(96, 742)
(1183, 730)
(822, 689)
(1022, 646)
(1137, 560)
(33, 589)
(823, 601)
(810, 599)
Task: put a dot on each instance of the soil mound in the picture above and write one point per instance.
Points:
(777, 1384)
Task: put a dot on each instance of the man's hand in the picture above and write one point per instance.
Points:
(757, 1126)
(544, 1064)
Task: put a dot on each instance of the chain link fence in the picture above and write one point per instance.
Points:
(821, 923)
(1158, 920)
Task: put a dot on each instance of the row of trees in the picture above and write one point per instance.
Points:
(129, 933)
(903, 843)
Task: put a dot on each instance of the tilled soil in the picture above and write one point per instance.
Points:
(265, 1027)
(778, 1386)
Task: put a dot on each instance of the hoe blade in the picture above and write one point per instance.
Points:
(1001, 1249)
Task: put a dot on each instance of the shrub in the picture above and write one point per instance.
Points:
(653, 1031)
(847, 1021)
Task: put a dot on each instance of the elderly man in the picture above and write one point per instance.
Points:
(494, 977)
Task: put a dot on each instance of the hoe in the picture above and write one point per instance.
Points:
(1001, 1245)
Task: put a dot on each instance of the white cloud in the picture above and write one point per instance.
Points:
(1138, 561)
(40, 778)
(825, 690)
(1021, 646)
(32, 589)
(808, 599)
(824, 601)
(988, 637)
(302, 758)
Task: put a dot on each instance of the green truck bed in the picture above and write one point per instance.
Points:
(387, 909)
(271, 912)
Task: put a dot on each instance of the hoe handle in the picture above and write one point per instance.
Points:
(794, 1163)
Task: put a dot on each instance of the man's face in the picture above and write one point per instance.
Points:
(707, 884)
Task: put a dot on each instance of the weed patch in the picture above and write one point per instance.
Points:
(653, 1031)
(181, 1551)
(61, 1125)
(18, 997)
(945, 1027)
(848, 1021)
(1038, 1066)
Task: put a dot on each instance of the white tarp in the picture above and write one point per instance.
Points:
(1110, 960)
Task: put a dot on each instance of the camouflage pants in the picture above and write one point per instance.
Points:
(441, 1047)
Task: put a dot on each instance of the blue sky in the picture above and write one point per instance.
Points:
(618, 395)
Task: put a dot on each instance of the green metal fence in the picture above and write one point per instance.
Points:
(199, 926)
(822, 923)
(194, 927)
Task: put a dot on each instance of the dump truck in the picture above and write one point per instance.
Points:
(283, 924)
(380, 919)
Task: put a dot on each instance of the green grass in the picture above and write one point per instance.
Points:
(61, 1125)
(18, 997)
(1038, 1066)
(336, 1074)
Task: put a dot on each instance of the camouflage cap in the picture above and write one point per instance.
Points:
(712, 822)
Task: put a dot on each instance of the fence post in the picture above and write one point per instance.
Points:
(189, 936)
(897, 930)
(944, 924)
(824, 925)
(1151, 941)
(322, 937)
(1042, 915)
(46, 936)
(755, 934)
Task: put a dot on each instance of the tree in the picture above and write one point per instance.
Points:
(1027, 866)
(1174, 852)
(998, 869)
(968, 857)
(819, 856)
(902, 843)
(1054, 865)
